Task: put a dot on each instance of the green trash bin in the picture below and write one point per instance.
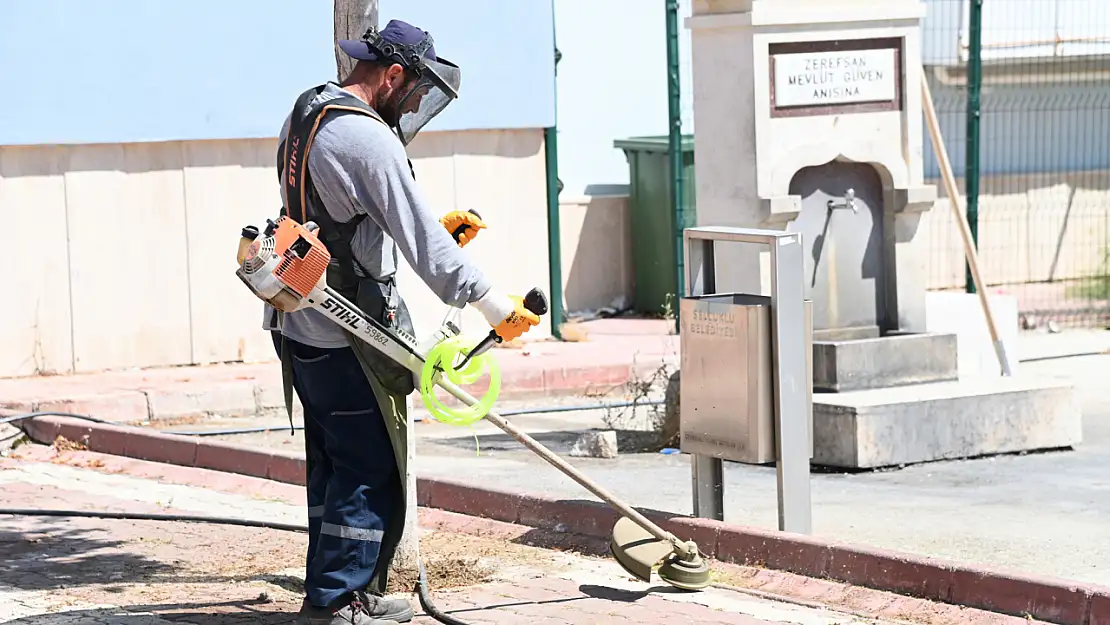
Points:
(653, 228)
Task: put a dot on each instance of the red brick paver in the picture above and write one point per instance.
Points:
(553, 600)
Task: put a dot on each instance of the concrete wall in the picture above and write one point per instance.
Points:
(126, 253)
(1044, 208)
(1032, 228)
(502, 175)
(123, 253)
(597, 252)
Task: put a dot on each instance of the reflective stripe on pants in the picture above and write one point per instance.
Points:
(351, 533)
(352, 479)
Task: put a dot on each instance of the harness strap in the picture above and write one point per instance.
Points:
(303, 202)
(287, 378)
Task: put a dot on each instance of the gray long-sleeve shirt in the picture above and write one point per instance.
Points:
(358, 166)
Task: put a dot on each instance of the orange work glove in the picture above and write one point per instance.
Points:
(466, 223)
(518, 322)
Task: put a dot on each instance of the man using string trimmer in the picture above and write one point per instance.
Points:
(342, 166)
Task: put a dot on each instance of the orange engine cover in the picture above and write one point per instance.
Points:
(304, 257)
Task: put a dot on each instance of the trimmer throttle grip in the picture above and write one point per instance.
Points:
(536, 302)
(461, 229)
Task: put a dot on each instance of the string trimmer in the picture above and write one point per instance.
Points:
(285, 266)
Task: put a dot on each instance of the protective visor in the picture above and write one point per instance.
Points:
(435, 86)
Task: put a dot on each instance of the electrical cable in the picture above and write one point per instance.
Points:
(421, 589)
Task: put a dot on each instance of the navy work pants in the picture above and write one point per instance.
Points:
(352, 479)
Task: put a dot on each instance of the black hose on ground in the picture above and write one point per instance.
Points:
(507, 413)
(51, 413)
(152, 516)
(424, 595)
(255, 430)
(422, 591)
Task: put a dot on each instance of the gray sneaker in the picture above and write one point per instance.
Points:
(398, 610)
(364, 609)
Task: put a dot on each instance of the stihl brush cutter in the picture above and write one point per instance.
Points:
(285, 265)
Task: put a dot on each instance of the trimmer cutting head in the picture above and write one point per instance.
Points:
(638, 552)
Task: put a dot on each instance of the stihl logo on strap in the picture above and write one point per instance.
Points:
(294, 150)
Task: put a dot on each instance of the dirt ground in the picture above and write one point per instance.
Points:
(453, 561)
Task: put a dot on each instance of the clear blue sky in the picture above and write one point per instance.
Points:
(108, 71)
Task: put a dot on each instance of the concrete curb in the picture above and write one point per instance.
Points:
(1043, 598)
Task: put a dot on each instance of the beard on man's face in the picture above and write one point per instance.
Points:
(389, 105)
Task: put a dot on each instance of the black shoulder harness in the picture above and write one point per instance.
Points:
(302, 203)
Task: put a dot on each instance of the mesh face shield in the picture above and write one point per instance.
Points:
(435, 87)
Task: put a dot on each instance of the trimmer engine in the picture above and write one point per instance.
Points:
(284, 264)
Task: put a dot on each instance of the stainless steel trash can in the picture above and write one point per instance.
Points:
(727, 401)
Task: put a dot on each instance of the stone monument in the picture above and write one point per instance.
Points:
(808, 118)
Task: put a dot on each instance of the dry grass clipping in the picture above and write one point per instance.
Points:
(574, 332)
(443, 574)
(459, 560)
(62, 443)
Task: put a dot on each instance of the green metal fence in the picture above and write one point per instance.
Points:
(1033, 164)
(1035, 160)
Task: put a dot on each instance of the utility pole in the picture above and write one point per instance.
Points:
(351, 18)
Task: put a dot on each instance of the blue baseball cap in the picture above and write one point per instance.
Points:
(438, 79)
(395, 31)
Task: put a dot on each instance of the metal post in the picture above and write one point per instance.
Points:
(791, 399)
(674, 145)
(709, 487)
(554, 229)
(707, 473)
(789, 345)
(974, 88)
